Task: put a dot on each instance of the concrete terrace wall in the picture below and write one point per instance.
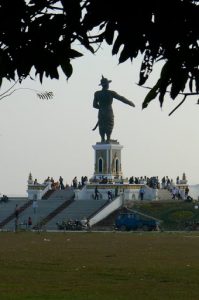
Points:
(130, 191)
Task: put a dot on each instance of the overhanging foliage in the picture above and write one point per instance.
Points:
(43, 34)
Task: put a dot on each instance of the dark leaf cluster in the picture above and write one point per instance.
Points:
(43, 35)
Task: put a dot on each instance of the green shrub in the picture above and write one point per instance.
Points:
(180, 216)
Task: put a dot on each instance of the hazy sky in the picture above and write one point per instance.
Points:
(55, 137)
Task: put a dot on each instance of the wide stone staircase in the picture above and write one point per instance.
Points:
(7, 210)
(77, 210)
(59, 206)
(62, 194)
(46, 209)
(65, 198)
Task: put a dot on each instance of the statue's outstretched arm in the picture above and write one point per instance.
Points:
(123, 99)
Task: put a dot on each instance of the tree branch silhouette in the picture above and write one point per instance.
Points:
(46, 95)
(183, 100)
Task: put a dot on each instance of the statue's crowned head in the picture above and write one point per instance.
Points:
(104, 81)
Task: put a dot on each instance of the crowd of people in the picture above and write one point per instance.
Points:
(152, 182)
(79, 184)
(179, 194)
(167, 183)
(174, 188)
(55, 185)
(59, 184)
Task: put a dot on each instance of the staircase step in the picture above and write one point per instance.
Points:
(164, 194)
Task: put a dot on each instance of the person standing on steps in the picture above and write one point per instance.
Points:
(61, 183)
(96, 197)
(142, 191)
(29, 223)
(16, 212)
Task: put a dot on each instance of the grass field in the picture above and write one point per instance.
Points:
(99, 266)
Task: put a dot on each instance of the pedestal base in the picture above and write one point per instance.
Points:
(108, 165)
